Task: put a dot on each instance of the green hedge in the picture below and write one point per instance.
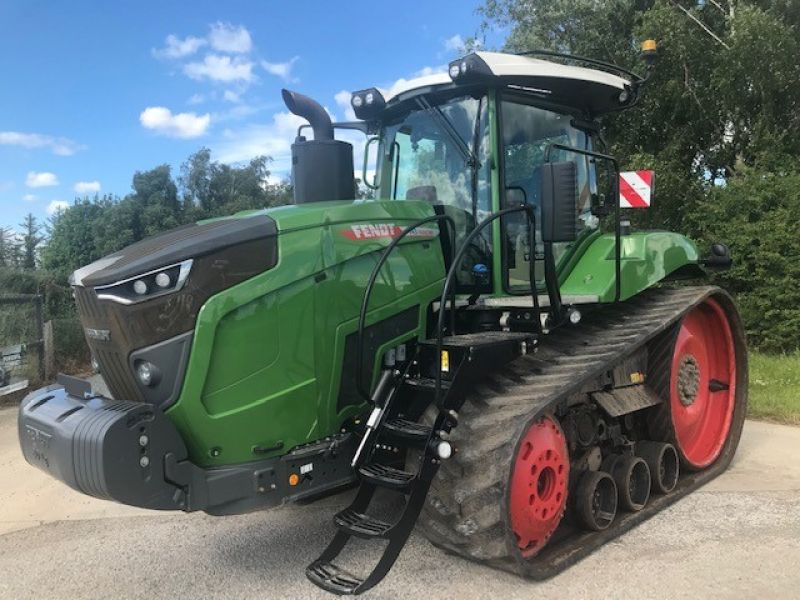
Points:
(758, 215)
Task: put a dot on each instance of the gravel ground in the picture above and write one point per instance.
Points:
(737, 537)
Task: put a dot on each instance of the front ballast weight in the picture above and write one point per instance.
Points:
(132, 453)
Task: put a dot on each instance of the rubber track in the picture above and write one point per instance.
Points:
(466, 510)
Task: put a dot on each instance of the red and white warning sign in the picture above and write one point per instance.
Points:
(635, 189)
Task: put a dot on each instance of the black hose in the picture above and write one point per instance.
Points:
(362, 315)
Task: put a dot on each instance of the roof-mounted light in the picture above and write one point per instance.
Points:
(468, 69)
(649, 51)
(367, 104)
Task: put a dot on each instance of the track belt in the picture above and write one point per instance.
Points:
(466, 511)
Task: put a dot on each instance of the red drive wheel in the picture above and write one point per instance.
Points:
(539, 485)
(703, 384)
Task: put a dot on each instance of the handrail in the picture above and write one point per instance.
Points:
(362, 316)
(617, 214)
(529, 211)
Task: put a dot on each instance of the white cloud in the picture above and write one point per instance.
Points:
(231, 96)
(196, 99)
(87, 187)
(30, 197)
(220, 68)
(175, 47)
(56, 206)
(282, 70)
(180, 125)
(402, 83)
(57, 145)
(273, 139)
(224, 37)
(343, 100)
(455, 44)
(40, 179)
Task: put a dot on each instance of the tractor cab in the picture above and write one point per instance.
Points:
(475, 140)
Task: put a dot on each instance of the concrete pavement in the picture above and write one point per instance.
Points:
(739, 536)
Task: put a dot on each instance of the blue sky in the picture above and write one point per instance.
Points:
(93, 91)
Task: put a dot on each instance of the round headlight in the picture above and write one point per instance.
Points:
(623, 96)
(463, 67)
(147, 373)
(454, 71)
(357, 101)
(370, 97)
(163, 280)
(140, 287)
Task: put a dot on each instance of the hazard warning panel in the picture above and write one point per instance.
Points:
(635, 189)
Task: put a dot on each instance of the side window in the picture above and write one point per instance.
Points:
(527, 132)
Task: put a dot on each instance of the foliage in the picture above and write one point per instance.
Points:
(757, 216)
(718, 122)
(95, 227)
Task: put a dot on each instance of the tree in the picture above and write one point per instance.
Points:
(212, 189)
(8, 248)
(30, 241)
(718, 122)
(71, 243)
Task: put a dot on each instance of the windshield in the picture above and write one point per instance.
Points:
(440, 155)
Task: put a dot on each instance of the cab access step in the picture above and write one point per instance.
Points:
(447, 369)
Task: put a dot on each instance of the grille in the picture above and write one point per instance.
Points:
(110, 355)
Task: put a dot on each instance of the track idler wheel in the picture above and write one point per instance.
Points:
(539, 485)
(596, 500)
(632, 477)
(700, 391)
(664, 465)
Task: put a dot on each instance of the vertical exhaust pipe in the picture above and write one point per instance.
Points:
(322, 168)
(312, 111)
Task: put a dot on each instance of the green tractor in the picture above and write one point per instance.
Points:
(487, 338)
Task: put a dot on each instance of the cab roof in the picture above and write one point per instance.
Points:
(591, 90)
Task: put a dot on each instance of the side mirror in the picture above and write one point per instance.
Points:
(559, 200)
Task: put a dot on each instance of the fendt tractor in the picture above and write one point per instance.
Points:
(475, 329)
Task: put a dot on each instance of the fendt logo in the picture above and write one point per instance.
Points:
(375, 231)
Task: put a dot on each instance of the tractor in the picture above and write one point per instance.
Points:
(473, 326)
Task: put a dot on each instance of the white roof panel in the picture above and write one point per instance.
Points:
(512, 67)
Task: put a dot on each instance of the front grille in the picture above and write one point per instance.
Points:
(111, 355)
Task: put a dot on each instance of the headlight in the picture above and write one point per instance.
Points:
(152, 284)
(147, 373)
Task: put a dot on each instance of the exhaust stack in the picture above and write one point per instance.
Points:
(322, 168)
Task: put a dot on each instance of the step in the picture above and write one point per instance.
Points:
(406, 432)
(479, 339)
(426, 383)
(387, 477)
(332, 578)
(361, 525)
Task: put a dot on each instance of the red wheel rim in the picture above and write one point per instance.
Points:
(703, 384)
(539, 485)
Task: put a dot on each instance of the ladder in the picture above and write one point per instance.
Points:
(446, 372)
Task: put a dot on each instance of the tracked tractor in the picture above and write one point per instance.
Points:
(476, 330)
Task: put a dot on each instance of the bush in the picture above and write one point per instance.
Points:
(757, 215)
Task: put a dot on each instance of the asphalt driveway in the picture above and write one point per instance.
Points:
(737, 537)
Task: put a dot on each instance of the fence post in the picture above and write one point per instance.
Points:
(49, 352)
(39, 309)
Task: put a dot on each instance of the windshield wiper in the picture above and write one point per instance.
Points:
(447, 126)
